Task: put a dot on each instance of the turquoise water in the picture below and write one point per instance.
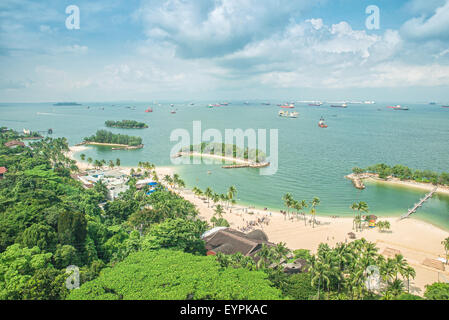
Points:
(312, 161)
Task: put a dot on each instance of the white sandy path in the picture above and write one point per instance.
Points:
(415, 239)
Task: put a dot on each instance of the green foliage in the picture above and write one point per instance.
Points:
(17, 267)
(437, 291)
(227, 150)
(126, 124)
(103, 136)
(168, 274)
(72, 228)
(177, 233)
(404, 173)
(40, 235)
(297, 286)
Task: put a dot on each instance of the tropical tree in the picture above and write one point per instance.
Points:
(445, 244)
(117, 162)
(208, 193)
(82, 156)
(314, 203)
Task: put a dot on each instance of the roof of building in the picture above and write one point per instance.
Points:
(3, 170)
(14, 143)
(230, 241)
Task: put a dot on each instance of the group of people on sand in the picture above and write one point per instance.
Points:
(251, 225)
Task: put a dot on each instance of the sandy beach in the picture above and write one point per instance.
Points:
(216, 157)
(415, 239)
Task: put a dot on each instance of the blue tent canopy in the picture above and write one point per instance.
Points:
(153, 184)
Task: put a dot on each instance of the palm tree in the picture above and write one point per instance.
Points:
(89, 160)
(208, 193)
(117, 162)
(445, 244)
(409, 272)
(288, 198)
(232, 192)
(111, 164)
(360, 207)
(219, 211)
(315, 202)
(400, 265)
(354, 207)
(82, 156)
(264, 255)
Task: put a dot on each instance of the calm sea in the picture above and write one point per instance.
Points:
(312, 161)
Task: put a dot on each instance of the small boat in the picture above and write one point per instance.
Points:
(315, 104)
(172, 105)
(149, 110)
(287, 114)
(343, 105)
(266, 103)
(288, 106)
(321, 123)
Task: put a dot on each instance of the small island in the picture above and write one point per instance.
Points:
(400, 175)
(126, 124)
(242, 158)
(117, 141)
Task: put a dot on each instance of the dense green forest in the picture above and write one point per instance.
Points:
(126, 124)
(103, 136)
(154, 273)
(228, 150)
(150, 247)
(405, 173)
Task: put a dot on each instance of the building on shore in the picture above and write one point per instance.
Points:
(114, 180)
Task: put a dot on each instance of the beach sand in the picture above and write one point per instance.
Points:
(415, 239)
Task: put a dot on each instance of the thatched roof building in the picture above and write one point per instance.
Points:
(230, 241)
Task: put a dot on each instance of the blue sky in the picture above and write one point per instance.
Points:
(224, 49)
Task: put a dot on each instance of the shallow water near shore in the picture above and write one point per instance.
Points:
(312, 161)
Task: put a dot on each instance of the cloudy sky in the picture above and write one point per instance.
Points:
(224, 49)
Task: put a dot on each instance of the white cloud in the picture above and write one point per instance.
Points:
(435, 27)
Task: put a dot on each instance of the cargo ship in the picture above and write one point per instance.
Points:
(343, 105)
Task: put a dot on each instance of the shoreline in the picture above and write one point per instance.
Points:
(298, 233)
(249, 163)
(371, 177)
(120, 146)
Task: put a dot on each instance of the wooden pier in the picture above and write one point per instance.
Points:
(419, 204)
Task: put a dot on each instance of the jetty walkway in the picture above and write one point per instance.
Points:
(419, 204)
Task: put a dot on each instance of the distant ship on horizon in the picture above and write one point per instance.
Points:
(64, 104)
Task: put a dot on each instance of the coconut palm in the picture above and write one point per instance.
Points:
(445, 244)
(315, 202)
(288, 198)
(111, 164)
(208, 193)
(82, 156)
(409, 272)
(117, 162)
(219, 211)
